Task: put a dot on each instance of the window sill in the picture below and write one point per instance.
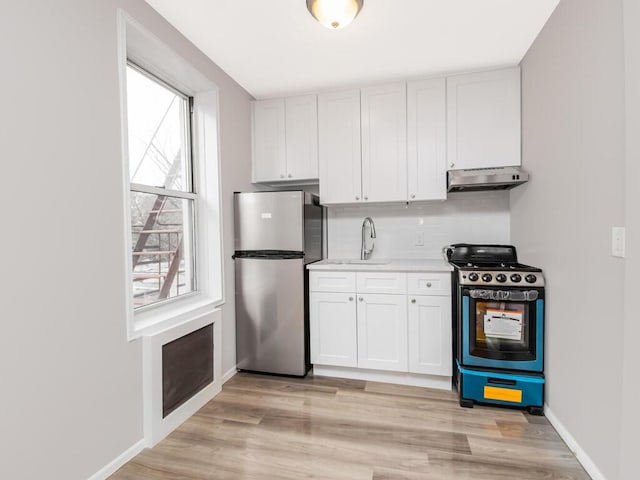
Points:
(154, 321)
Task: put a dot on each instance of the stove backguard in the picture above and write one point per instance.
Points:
(488, 254)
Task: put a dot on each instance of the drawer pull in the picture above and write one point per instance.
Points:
(413, 300)
(361, 299)
(501, 381)
(428, 284)
(351, 299)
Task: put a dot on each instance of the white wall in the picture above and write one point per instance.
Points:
(71, 396)
(631, 360)
(573, 135)
(471, 217)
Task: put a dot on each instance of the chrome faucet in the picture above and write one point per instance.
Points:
(365, 252)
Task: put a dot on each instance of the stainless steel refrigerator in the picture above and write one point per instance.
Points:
(276, 235)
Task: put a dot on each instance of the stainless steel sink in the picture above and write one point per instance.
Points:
(357, 261)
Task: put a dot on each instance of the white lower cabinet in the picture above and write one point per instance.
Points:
(396, 323)
(382, 332)
(333, 329)
(430, 335)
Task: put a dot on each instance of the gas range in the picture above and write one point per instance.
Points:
(492, 265)
(498, 327)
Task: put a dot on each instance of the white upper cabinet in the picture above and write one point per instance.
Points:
(268, 152)
(384, 143)
(426, 139)
(285, 139)
(339, 147)
(389, 143)
(301, 126)
(483, 119)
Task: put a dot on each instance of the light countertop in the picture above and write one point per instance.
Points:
(395, 265)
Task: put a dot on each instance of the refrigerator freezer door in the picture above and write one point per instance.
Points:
(270, 315)
(269, 221)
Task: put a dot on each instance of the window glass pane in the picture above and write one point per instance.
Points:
(158, 139)
(163, 247)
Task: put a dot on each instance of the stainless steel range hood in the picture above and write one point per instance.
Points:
(485, 179)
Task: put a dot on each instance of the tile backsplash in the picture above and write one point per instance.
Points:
(470, 217)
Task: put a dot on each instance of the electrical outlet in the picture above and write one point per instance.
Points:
(419, 239)
(618, 241)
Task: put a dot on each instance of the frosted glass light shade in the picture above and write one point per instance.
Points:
(334, 14)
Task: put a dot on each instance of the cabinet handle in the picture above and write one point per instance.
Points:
(357, 197)
(289, 175)
(282, 175)
(361, 299)
(366, 198)
(428, 284)
(351, 299)
(413, 300)
(413, 196)
(452, 165)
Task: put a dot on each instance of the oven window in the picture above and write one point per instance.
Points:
(503, 330)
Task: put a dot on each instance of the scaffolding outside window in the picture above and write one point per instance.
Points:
(162, 194)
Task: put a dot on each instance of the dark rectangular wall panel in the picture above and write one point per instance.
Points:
(187, 367)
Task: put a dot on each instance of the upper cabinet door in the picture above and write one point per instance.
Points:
(339, 147)
(426, 135)
(384, 143)
(268, 154)
(483, 119)
(302, 137)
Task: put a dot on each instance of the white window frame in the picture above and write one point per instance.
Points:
(189, 194)
(145, 50)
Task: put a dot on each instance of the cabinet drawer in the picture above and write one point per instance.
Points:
(429, 283)
(382, 282)
(332, 281)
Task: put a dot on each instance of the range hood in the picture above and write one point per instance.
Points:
(485, 179)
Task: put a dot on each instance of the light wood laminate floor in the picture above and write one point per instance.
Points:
(265, 427)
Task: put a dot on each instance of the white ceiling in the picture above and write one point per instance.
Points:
(276, 48)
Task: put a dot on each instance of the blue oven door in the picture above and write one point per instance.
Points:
(502, 329)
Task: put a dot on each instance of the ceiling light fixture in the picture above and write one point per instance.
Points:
(334, 14)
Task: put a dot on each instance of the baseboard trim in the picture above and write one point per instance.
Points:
(399, 378)
(230, 373)
(582, 457)
(111, 467)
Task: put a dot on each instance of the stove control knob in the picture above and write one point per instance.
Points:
(487, 277)
(501, 277)
(515, 278)
(473, 277)
(531, 278)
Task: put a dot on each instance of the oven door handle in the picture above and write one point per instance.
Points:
(513, 319)
(504, 295)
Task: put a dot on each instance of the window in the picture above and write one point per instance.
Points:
(162, 189)
(172, 210)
